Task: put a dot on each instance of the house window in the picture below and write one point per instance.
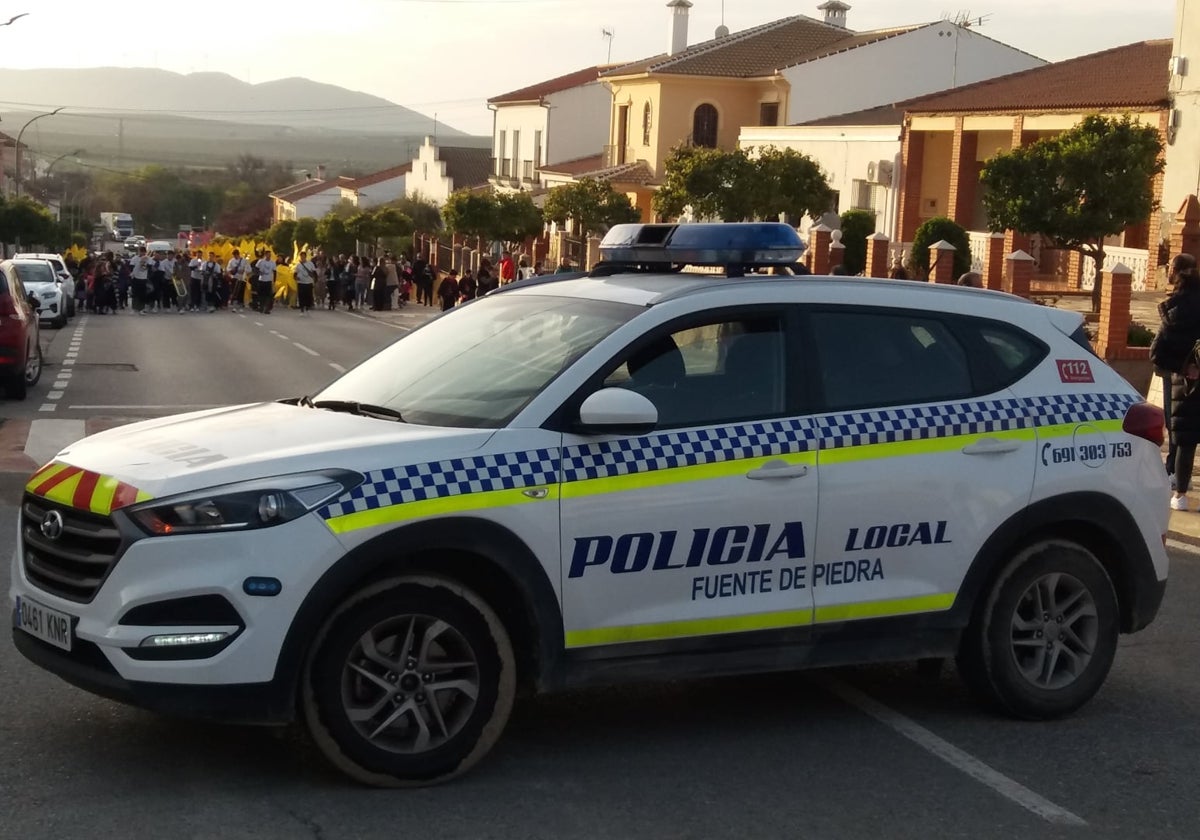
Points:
(647, 113)
(863, 193)
(501, 154)
(622, 134)
(537, 150)
(527, 170)
(425, 171)
(704, 127)
(516, 152)
(768, 113)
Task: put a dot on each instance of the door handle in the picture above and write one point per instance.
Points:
(991, 446)
(777, 470)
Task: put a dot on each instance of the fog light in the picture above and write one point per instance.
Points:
(177, 639)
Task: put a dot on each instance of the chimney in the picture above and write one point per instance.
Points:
(835, 13)
(321, 172)
(678, 33)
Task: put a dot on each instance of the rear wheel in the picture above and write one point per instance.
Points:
(410, 683)
(33, 367)
(1045, 639)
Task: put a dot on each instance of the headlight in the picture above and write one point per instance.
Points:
(49, 295)
(247, 505)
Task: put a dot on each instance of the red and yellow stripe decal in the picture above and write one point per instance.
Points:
(83, 489)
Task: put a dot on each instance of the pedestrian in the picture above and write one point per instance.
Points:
(448, 290)
(897, 271)
(158, 281)
(423, 280)
(1181, 329)
(467, 286)
(524, 272)
(306, 278)
(379, 285)
(392, 280)
(972, 279)
(235, 270)
(285, 282)
(211, 282)
(266, 282)
(196, 282)
(362, 281)
(124, 274)
(564, 267)
(1171, 346)
(333, 280)
(139, 272)
(508, 269)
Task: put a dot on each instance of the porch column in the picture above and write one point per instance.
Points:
(1074, 271)
(1019, 276)
(964, 175)
(912, 156)
(877, 255)
(1185, 234)
(1154, 234)
(1114, 311)
(993, 267)
(1014, 240)
(941, 263)
(819, 240)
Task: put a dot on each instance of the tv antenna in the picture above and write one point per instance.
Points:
(967, 21)
(608, 35)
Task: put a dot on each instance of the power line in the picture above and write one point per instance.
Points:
(250, 111)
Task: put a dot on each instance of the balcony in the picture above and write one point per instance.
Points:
(619, 155)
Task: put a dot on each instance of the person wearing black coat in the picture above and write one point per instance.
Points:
(1181, 328)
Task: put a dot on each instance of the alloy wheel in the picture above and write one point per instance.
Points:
(1055, 631)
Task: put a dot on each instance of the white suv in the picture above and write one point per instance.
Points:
(643, 473)
(39, 277)
(63, 273)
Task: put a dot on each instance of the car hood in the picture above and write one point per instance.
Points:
(36, 286)
(208, 448)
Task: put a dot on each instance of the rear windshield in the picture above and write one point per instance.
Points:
(34, 273)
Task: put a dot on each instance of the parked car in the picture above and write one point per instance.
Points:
(38, 276)
(60, 268)
(20, 348)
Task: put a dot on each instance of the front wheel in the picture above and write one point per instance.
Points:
(410, 683)
(1045, 639)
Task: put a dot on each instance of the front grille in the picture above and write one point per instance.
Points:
(74, 565)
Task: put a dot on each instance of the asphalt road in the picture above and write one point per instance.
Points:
(876, 752)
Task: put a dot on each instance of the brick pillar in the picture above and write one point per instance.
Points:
(877, 255)
(1114, 311)
(819, 240)
(593, 252)
(1074, 271)
(1019, 276)
(941, 263)
(912, 164)
(993, 266)
(964, 175)
(1185, 234)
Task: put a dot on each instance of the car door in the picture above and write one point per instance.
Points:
(705, 525)
(920, 460)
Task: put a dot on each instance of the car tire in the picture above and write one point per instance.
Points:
(33, 368)
(1045, 638)
(59, 322)
(410, 683)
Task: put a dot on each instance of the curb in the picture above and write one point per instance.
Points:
(1186, 539)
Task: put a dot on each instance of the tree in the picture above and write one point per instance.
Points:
(24, 221)
(306, 232)
(788, 182)
(392, 226)
(1078, 187)
(593, 205)
(425, 214)
(364, 227)
(934, 231)
(470, 214)
(282, 237)
(332, 235)
(857, 225)
(517, 218)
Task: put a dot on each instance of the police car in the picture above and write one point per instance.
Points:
(651, 472)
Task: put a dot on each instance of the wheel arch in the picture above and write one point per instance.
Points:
(483, 555)
(1096, 521)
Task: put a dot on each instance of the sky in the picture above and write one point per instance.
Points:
(446, 57)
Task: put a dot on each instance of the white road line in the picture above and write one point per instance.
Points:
(145, 407)
(337, 367)
(49, 437)
(305, 349)
(258, 323)
(377, 321)
(48, 407)
(68, 361)
(55, 395)
(1186, 548)
(952, 755)
(281, 335)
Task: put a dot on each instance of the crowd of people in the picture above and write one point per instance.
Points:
(194, 281)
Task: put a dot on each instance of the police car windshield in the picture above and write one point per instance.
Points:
(480, 365)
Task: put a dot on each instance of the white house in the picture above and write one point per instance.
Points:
(379, 187)
(556, 120)
(437, 171)
(312, 198)
(859, 154)
(1183, 123)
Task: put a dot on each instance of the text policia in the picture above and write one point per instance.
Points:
(748, 544)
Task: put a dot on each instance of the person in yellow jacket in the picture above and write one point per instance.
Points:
(285, 283)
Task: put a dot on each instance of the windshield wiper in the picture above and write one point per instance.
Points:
(361, 409)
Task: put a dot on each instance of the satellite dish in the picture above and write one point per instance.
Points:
(722, 31)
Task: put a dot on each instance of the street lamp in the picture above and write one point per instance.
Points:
(21, 133)
(75, 153)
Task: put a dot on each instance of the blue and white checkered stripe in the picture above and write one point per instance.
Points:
(1065, 409)
(898, 425)
(687, 449)
(456, 477)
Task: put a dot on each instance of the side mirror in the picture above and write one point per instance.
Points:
(32, 299)
(617, 411)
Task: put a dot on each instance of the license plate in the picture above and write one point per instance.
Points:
(38, 620)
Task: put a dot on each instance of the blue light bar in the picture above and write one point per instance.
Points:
(724, 244)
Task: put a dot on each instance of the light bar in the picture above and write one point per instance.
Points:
(726, 244)
(179, 639)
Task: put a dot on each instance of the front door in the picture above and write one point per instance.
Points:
(706, 525)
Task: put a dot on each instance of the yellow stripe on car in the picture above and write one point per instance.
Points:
(440, 507)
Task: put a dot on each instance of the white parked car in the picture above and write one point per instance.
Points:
(39, 277)
(642, 473)
(60, 269)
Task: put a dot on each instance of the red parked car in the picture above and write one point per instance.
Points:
(20, 349)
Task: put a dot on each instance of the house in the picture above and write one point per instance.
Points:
(632, 179)
(793, 70)
(379, 187)
(311, 198)
(949, 136)
(437, 171)
(859, 154)
(558, 119)
(1183, 122)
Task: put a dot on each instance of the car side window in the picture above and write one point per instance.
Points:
(873, 359)
(717, 372)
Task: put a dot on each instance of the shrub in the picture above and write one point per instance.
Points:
(1139, 335)
(934, 231)
(857, 225)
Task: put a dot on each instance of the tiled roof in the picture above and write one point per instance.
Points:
(469, 167)
(883, 115)
(379, 177)
(1133, 76)
(534, 93)
(577, 166)
(759, 51)
(304, 189)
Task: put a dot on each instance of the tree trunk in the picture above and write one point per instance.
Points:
(1098, 287)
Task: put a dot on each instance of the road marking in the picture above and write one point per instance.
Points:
(62, 380)
(48, 407)
(281, 335)
(55, 395)
(1186, 548)
(952, 755)
(337, 367)
(305, 349)
(49, 437)
(258, 323)
(146, 407)
(377, 321)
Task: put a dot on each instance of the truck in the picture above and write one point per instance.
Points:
(119, 225)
